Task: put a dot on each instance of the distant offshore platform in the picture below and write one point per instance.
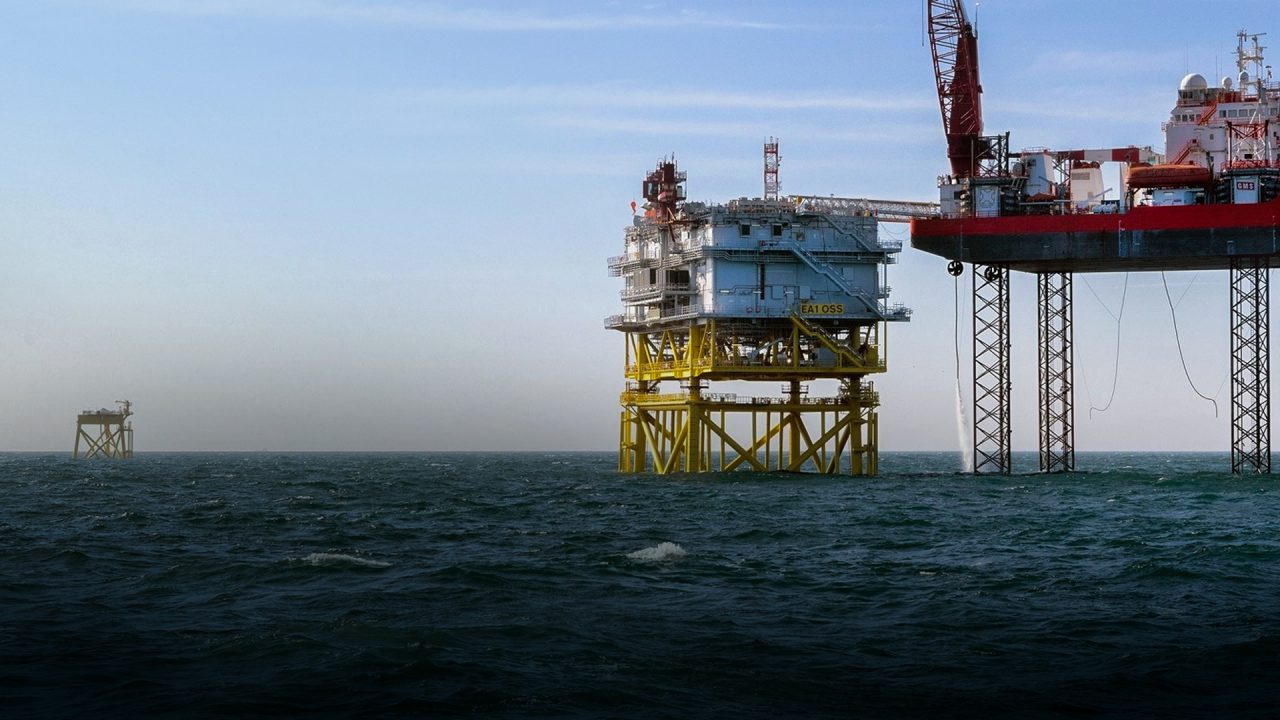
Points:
(106, 433)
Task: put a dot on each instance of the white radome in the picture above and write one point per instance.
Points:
(1194, 81)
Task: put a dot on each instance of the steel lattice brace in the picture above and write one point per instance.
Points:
(1250, 366)
(1057, 402)
(991, 381)
(884, 210)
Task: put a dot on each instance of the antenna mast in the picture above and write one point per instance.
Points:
(771, 160)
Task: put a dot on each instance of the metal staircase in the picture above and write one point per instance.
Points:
(849, 356)
(836, 277)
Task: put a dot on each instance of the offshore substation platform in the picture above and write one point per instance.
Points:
(1213, 202)
(112, 435)
(775, 292)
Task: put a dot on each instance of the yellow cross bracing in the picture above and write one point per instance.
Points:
(738, 351)
(691, 432)
(699, 431)
(114, 438)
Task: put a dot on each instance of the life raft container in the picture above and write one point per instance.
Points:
(1169, 176)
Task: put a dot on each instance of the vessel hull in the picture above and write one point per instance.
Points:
(1146, 238)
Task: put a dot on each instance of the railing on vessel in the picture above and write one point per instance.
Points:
(1060, 207)
(1250, 165)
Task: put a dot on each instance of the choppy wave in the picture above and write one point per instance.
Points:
(340, 559)
(547, 585)
(662, 552)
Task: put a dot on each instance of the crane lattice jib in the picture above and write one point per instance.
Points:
(955, 67)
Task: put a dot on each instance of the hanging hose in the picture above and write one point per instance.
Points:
(1115, 375)
(1177, 338)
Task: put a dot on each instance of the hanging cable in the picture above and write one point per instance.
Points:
(1099, 297)
(898, 236)
(1178, 339)
(1187, 289)
(1222, 385)
(1115, 375)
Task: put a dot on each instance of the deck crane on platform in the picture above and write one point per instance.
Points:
(1215, 206)
(955, 67)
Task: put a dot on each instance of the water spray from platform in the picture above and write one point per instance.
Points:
(963, 423)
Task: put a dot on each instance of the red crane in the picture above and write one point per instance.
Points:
(955, 66)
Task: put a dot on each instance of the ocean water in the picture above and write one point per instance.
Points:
(549, 586)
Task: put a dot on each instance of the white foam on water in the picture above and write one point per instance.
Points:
(962, 430)
(662, 552)
(337, 559)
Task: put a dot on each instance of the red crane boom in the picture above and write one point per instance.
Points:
(955, 66)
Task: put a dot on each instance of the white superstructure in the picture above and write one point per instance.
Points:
(1236, 123)
(755, 259)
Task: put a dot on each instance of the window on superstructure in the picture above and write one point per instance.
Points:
(777, 231)
(744, 229)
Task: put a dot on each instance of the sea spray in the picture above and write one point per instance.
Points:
(341, 559)
(962, 429)
(962, 417)
(663, 552)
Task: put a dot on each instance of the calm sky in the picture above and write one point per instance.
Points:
(334, 224)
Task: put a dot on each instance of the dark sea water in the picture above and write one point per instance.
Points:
(547, 585)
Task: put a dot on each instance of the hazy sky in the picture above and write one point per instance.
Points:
(334, 224)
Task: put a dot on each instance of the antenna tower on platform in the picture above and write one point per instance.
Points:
(771, 161)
